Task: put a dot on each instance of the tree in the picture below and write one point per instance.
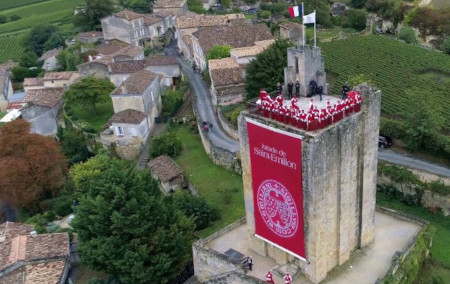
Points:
(28, 59)
(68, 59)
(408, 35)
(140, 6)
(356, 19)
(74, 147)
(196, 207)
(165, 144)
(322, 11)
(218, 52)
(267, 69)
(20, 73)
(447, 45)
(36, 38)
(88, 92)
(31, 166)
(358, 4)
(94, 10)
(127, 229)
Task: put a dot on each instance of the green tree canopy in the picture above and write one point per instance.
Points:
(196, 207)
(447, 45)
(165, 144)
(74, 147)
(127, 229)
(356, 18)
(94, 10)
(218, 52)
(28, 59)
(38, 36)
(407, 34)
(140, 6)
(88, 92)
(267, 69)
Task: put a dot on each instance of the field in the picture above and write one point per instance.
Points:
(398, 69)
(10, 48)
(17, 3)
(43, 12)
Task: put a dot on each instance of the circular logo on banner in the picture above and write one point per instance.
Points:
(277, 208)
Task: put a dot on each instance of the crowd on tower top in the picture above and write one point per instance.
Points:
(309, 119)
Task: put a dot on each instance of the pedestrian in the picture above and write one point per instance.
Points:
(287, 279)
(297, 89)
(269, 278)
(249, 263)
(345, 89)
(290, 87)
(320, 92)
(279, 88)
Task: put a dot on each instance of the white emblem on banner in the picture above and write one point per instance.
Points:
(277, 208)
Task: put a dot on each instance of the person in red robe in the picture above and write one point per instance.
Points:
(269, 278)
(294, 102)
(287, 279)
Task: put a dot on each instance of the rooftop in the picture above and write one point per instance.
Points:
(195, 21)
(228, 62)
(136, 83)
(169, 3)
(162, 60)
(164, 168)
(110, 47)
(10, 230)
(59, 75)
(128, 15)
(50, 53)
(130, 116)
(47, 97)
(290, 25)
(129, 66)
(93, 34)
(33, 82)
(254, 50)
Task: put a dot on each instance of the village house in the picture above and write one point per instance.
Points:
(33, 83)
(189, 23)
(167, 172)
(237, 33)
(140, 92)
(244, 55)
(60, 79)
(89, 37)
(42, 108)
(208, 3)
(133, 28)
(28, 258)
(175, 7)
(227, 81)
(291, 31)
(6, 89)
(49, 58)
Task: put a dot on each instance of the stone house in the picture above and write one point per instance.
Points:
(237, 33)
(175, 7)
(60, 79)
(167, 172)
(120, 71)
(6, 89)
(227, 81)
(189, 23)
(28, 258)
(244, 55)
(166, 66)
(89, 37)
(168, 18)
(49, 58)
(43, 106)
(291, 31)
(208, 3)
(33, 83)
(133, 28)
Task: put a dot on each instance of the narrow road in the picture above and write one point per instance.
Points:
(202, 98)
(412, 162)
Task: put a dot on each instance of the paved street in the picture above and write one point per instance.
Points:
(202, 99)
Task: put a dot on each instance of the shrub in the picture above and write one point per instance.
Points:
(171, 100)
(62, 205)
(408, 35)
(263, 14)
(393, 128)
(196, 207)
(355, 19)
(165, 144)
(447, 45)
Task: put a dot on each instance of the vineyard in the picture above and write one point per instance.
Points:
(10, 48)
(397, 69)
(17, 3)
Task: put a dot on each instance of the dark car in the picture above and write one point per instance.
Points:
(384, 141)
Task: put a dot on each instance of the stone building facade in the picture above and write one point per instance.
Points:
(339, 172)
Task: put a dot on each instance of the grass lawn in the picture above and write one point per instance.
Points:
(84, 274)
(439, 264)
(104, 113)
(214, 183)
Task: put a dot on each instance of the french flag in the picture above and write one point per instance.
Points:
(296, 11)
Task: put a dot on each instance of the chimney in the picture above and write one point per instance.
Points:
(124, 89)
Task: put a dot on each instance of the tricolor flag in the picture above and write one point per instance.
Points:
(296, 11)
(310, 18)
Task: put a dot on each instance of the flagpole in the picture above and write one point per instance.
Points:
(303, 26)
(315, 29)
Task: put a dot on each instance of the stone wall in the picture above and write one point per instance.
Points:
(232, 132)
(339, 166)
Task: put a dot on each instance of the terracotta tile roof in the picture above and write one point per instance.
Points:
(47, 272)
(129, 66)
(164, 168)
(151, 19)
(89, 34)
(50, 53)
(163, 14)
(130, 50)
(244, 36)
(110, 47)
(196, 21)
(58, 75)
(290, 25)
(223, 63)
(47, 97)
(33, 82)
(136, 83)
(128, 15)
(10, 230)
(162, 60)
(130, 116)
(169, 3)
(187, 39)
(230, 90)
(254, 50)
(227, 76)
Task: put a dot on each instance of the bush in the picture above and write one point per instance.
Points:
(337, 20)
(355, 19)
(62, 205)
(392, 128)
(263, 14)
(447, 45)
(195, 207)
(165, 144)
(408, 35)
(171, 100)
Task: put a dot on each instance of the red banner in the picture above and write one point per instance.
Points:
(276, 163)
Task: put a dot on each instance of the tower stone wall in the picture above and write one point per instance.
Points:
(339, 167)
(305, 64)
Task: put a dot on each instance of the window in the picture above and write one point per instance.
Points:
(119, 131)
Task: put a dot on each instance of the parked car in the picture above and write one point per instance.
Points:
(384, 141)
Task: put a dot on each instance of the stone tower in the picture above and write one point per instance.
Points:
(305, 64)
(338, 176)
